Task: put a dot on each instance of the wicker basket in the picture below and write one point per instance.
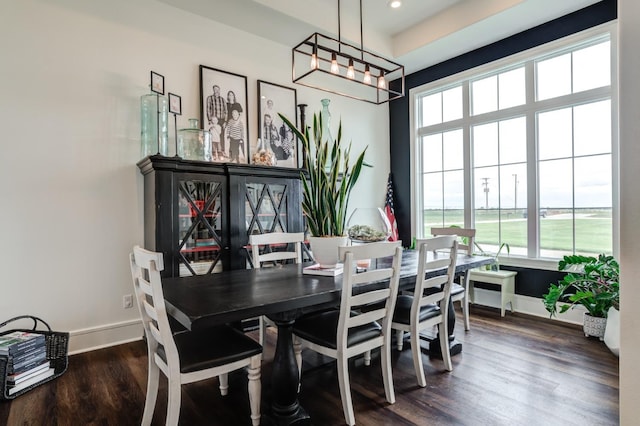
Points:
(57, 349)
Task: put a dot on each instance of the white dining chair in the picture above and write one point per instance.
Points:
(291, 249)
(428, 306)
(188, 356)
(466, 243)
(343, 334)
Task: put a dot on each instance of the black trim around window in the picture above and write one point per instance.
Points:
(399, 129)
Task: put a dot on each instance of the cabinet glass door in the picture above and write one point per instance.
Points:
(199, 227)
(266, 208)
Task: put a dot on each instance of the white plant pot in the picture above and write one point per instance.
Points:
(325, 250)
(612, 332)
(594, 326)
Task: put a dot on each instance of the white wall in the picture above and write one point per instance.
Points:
(629, 63)
(71, 74)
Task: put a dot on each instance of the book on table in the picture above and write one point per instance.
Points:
(18, 342)
(317, 270)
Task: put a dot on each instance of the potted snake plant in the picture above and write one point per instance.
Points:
(327, 182)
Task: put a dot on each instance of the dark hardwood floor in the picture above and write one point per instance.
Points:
(518, 370)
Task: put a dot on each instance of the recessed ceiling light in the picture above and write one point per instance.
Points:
(394, 3)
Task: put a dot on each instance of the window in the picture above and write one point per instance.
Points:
(522, 150)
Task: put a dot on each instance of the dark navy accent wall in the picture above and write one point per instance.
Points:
(399, 133)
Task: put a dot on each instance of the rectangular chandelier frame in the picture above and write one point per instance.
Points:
(312, 62)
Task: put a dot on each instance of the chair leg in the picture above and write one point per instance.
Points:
(399, 339)
(262, 330)
(152, 392)
(173, 405)
(345, 390)
(444, 346)
(255, 389)
(417, 355)
(465, 312)
(224, 384)
(465, 301)
(387, 376)
(367, 358)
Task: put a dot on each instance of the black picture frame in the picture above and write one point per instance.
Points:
(226, 149)
(157, 83)
(274, 99)
(175, 104)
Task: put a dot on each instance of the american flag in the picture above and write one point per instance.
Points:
(388, 209)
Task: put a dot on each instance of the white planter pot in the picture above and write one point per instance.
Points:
(594, 326)
(612, 332)
(325, 250)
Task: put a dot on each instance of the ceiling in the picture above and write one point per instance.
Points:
(418, 34)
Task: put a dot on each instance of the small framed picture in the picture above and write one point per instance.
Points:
(274, 99)
(175, 104)
(224, 112)
(157, 83)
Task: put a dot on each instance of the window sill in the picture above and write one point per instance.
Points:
(523, 262)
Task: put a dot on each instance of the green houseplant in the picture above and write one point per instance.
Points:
(328, 180)
(592, 282)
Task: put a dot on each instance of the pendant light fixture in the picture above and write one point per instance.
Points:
(334, 66)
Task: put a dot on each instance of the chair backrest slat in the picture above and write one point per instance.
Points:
(150, 310)
(277, 255)
(372, 275)
(369, 297)
(366, 318)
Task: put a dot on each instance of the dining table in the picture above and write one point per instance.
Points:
(283, 293)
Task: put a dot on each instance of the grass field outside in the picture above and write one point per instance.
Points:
(592, 230)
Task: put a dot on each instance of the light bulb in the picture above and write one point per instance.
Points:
(350, 72)
(334, 64)
(367, 75)
(394, 4)
(382, 84)
(314, 61)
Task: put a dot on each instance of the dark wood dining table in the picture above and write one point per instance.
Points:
(283, 294)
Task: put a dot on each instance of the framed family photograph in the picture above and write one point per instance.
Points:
(274, 99)
(224, 112)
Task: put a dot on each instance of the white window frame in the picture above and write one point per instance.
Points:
(527, 57)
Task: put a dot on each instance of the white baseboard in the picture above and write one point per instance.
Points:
(526, 305)
(90, 339)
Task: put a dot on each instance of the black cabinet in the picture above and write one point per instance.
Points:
(200, 215)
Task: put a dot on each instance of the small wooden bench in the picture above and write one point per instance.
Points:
(505, 279)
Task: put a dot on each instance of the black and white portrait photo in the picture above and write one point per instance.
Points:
(274, 99)
(224, 114)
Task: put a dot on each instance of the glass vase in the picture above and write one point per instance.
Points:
(264, 156)
(326, 121)
(154, 125)
(195, 143)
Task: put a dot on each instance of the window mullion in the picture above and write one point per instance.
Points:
(469, 220)
(533, 232)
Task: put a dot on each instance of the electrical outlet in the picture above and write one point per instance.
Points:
(127, 301)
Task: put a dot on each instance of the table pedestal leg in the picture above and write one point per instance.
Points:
(455, 347)
(285, 408)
